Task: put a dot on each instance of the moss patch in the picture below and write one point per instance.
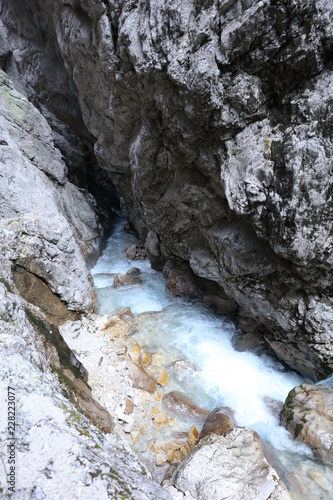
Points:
(7, 285)
(52, 335)
(298, 429)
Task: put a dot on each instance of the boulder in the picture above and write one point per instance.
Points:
(308, 414)
(131, 252)
(229, 467)
(219, 421)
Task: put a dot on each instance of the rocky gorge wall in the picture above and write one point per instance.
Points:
(214, 120)
(214, 123)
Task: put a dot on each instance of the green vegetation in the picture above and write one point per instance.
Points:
(143, 471)
(7, 285)
(298, 429)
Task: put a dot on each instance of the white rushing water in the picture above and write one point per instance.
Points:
(243, 381)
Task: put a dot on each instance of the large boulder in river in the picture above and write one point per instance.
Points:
(229, 467)
(308, 415)
(126, 280)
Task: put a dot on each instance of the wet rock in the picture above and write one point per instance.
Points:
(141, 379)
(221, 305)
(131, 252)
(122, 314)
(182, 406)
(133, 271)
(219, 421)
(182, 282)
(251, 341)
(126, 280)
(231, 466)
(308, 414)
(128, 227)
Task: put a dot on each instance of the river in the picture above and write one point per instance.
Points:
(217, 374)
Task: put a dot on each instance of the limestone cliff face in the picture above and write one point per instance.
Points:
(214, 120)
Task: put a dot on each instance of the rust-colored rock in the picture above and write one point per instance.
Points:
(163, 377)
(134, 353)
(193, 436)
(144, 358)
(179, 404)
(126, 280)
(141, 379)
(219, 421)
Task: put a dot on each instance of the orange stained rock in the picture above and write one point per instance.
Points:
(193, 436)
(163, 377)
(158, 396)
(134, 352)
(161, 418)
(144, 358)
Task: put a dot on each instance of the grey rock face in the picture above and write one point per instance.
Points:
(35, 197)
(214, 120)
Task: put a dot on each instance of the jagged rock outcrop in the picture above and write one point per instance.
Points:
(214, 120)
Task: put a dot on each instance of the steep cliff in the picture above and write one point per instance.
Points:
(214, 121)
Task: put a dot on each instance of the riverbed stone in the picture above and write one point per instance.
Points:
(181, 405)
(122, 314)
(141, 379)
(131, 252)
(126, 280)
(163, 377)
(144, 358)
